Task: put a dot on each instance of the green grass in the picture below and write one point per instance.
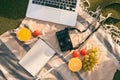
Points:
(114, 9)
(117, 75)
(7, 24)
(109, 6)
(12, 13)
(101, 3)
(115, 17)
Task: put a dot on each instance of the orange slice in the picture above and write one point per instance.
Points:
(75, 64)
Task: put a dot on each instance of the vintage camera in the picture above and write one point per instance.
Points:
(64, 39)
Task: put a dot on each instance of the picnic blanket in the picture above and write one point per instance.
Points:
(12, 50)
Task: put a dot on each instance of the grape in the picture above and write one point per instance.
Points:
(89, 67)
(91, 55)
(88, 63)
(90, 60)
(86, 57)
(86, 68)
(84, 65)
(95, 49)
(85, 61)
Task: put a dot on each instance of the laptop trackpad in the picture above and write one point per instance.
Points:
(50, 14)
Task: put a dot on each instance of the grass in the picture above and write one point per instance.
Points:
(114, 9)
(12, 12)
(101, 3)
(115, 17)
(117, 75)
(7, 24)
(109, 6)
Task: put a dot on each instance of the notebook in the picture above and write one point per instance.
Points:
(37, 57)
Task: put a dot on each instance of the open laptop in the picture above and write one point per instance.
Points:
(56, 11)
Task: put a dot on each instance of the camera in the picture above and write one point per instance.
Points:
(64, 40)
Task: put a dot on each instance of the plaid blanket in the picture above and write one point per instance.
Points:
(12, 50)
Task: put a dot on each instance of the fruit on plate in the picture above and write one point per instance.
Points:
(36, 33)
(75, 64)
(75, 53)
(83, 51)
(90, 60)
(24, 34)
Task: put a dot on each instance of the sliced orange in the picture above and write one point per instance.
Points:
(24, 34)
(75, 64)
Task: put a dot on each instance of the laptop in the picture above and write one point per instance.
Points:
(36, 58)
(56, 11)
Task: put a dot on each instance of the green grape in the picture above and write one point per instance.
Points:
(90, 60)
(91, 55)
(84, 65)
(86, 57)
(88, 63)
(85, 61)
(96, 54)
(85, 69)
(90, 68)
(95, 58)
(90, 51)
(92, 64)
(95, 61)
(95, 49)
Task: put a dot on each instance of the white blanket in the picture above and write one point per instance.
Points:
(12, 50)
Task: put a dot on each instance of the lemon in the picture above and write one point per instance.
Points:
(24, 34)
(75, 64)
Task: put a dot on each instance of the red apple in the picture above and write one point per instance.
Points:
(36, 33)
(83, 51)
(75, 54)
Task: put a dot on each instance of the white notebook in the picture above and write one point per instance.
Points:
(37, 57)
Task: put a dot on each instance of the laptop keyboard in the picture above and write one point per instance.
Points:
(61, 4)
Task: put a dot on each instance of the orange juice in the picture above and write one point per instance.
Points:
(75, 64)
(24, 34)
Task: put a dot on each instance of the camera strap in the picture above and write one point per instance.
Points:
(64, 37)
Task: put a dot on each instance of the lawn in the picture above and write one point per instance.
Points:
(12, 12)
(109, 6)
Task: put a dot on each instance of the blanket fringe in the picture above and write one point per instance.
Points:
(110, 28)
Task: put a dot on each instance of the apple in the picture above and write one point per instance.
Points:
(36, 33)
(75, 54)
(83, 52)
